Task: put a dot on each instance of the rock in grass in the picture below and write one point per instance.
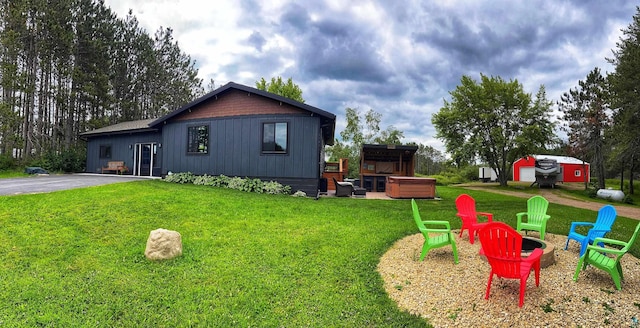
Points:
(163, 244)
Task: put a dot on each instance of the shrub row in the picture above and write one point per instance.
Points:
(222, 181)
(68, 161)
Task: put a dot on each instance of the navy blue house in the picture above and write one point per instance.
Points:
(234, 130)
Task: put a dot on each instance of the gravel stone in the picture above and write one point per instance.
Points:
(452, 295)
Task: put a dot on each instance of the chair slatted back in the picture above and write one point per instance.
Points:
(502, 245)
(466, 207)
(536, 209)
(606, 216)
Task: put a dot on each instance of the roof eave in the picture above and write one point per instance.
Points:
(232, 85)
(90, 134)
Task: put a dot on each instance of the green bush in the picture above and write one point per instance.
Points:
(221, 181)
(7, 162)
(237, 183)
(211, 180)
(469, 173)
(182, 177)
(253, 185)
(68, 161)
(204, 180)
(591, 192)
(449, 178)
(275, 188)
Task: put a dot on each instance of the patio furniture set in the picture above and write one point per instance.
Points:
(347, 189)
(502, 246)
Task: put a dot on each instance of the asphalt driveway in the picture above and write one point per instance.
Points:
(48, 183)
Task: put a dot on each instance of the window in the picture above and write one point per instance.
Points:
(274, 137)
(198, 139)
(105, 151)
(577, 173)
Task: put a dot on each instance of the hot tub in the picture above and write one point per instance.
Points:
(410, 187)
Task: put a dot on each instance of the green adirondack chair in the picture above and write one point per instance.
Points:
(607, 259)
(442, 230)
(536, 215)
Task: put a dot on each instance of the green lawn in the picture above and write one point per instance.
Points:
(75, 258)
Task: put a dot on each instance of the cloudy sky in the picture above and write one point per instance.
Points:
(399, 58)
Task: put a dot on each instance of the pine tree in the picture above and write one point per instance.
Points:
(587, 114)
(68, 66)
(626, 97)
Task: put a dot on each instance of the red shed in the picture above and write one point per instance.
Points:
(573, 169)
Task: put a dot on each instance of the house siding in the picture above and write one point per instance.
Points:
(568, 171)
(235, 149)
(235, 115)
(120, 150)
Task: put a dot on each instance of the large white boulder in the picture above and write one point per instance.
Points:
(163, 244)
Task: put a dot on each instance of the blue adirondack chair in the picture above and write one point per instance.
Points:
(606, 216)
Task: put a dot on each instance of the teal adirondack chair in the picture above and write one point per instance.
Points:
(606, 216)
(597, 256)
(536, 215)
(442, 230)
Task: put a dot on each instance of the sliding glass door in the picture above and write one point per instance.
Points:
(145, 157)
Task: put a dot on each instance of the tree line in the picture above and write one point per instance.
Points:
(69, 66)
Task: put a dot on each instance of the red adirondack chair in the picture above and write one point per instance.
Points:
(502, 245)
(466, 206)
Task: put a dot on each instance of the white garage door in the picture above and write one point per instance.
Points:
(527, 174)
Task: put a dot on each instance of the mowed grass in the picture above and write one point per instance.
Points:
(76, 258)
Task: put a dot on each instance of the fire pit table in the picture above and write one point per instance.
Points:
(548, 250)
(529, 244)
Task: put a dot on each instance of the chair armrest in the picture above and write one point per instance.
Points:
(520, 215)
(489, 216)
(534, 256)
(597, 248)
(436, 223)
(609, 241)
(579, 224)
(437, 230)
(594, 231)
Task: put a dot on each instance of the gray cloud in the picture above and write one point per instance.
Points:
(296, 17)
(402, 58)
(257, 40)
(336, 50)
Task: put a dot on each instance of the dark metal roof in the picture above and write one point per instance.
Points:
(390, 147)
(328, 119)
(384, 152)
(124, 127)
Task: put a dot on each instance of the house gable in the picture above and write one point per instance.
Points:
(238, 103)
(327, 120)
